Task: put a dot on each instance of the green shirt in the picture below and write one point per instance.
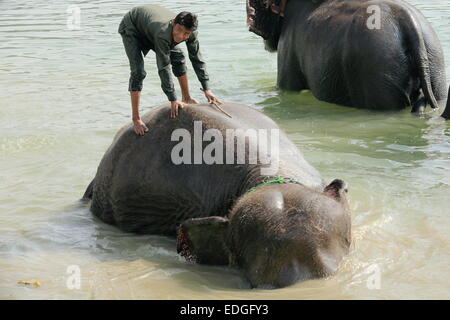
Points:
(152, 25)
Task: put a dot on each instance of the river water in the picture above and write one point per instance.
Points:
(63, 95)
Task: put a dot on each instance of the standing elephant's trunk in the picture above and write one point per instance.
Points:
(446, 113)
(264, 23)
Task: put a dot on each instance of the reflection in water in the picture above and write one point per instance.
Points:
(63, 97)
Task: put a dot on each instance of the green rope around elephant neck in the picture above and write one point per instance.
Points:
(276, 180)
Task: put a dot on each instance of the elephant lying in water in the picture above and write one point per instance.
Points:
(376, 54)
(274, 219)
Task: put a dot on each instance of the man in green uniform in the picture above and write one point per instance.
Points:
(152, 27)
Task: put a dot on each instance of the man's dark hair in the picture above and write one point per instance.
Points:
(187, 20)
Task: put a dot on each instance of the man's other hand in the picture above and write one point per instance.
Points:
(211, 97)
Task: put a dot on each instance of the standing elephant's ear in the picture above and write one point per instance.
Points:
(203, 240)
(336, 189)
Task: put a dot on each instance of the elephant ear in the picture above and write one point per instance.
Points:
(203, 240)
(336, 189)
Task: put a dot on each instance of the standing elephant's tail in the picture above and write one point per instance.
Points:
(446, 113)
(89, 192)
(414, 35)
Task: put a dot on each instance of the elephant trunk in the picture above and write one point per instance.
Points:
(446, 113)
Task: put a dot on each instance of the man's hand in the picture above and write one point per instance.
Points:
(189, 100)
(139, 127)
(211, 97)
(174, 105)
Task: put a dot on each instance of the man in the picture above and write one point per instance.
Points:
(152, 27)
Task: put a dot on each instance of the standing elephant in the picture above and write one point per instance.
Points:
(279, 226)
(375, 54)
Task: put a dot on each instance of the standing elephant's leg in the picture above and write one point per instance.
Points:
(290, 75)
(372, 88)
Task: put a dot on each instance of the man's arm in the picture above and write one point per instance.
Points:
(199, 65)
(162, 50)
(135, 103)
(179, 70)
(196, 58)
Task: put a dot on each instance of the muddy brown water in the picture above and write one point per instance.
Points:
(63, 96)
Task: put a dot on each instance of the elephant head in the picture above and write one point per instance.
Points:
(278, 234)
(264, 22)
